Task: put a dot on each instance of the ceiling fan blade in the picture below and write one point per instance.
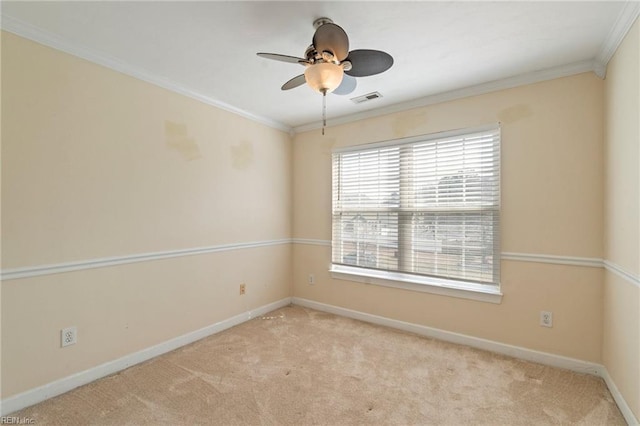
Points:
(294, 82)
(368, 62)
(331, 37)
(347, 86)
(283, 58)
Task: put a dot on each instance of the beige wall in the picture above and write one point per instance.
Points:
(552, 194)
(621, 349)
(97, 164)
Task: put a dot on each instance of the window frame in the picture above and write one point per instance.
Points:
(417, 282)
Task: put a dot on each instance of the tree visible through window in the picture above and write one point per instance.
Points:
(426, 206)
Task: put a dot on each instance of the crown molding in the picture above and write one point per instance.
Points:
(479, 89)
(598, 65)
(628, 15)
(28, 31)
(626, 18)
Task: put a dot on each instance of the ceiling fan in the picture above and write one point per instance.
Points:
(330, 66)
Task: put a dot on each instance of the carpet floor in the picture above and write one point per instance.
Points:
(298, 366)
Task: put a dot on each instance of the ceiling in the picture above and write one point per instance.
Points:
(207, 50)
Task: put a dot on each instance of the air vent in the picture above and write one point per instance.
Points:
(366, 98)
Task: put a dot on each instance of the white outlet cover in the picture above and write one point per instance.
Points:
(69, 336)
(546, 319)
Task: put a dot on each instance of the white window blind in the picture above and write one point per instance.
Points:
(426, 206)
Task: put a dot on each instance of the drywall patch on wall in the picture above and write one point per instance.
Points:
(242, 155)
(178, 139)
(404, 124)
(515, 113)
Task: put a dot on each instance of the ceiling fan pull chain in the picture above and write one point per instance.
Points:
(324, 110)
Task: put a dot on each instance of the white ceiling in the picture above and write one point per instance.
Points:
(208, 49)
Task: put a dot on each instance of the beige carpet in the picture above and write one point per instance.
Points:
(298, 366)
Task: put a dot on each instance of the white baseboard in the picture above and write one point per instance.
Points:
(488, 345)
(617, 396)
(39, 394)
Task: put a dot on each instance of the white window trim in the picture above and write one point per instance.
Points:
(448, 287)
(453, 288)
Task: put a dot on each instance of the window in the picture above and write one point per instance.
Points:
(423, 210)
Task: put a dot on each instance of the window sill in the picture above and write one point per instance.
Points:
(479, 292)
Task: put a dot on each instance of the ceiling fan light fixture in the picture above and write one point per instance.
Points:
(324, 77)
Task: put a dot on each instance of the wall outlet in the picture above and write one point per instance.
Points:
(311, 279)
(68, 336)
(546, 319)
(243, 289)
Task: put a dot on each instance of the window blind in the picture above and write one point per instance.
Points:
(427, 206)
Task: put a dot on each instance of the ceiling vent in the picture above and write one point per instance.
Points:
(366, 98)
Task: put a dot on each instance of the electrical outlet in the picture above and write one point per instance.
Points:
(546, 319)
(68, 336)
(243, 289)
(311, 279)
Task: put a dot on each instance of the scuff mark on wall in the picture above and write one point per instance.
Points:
(514, 113)
(405, 123)
(242, 155)
(177, 138)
